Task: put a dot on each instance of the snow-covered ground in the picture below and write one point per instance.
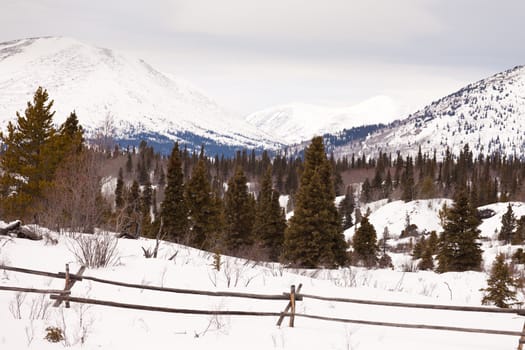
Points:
(101, 327)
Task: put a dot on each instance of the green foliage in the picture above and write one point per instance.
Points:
(314, 236)
(501, 286)
(365, 243)
(270, 221)
(508, 225)
(458, 247)
(26, 163)
(239, 210)
(426, 262)
(519, 256)
(346, 208)
(203, 214)
(119, 190)
(174, 210)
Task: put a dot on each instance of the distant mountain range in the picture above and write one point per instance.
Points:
(295, 123)
(101, 85)
(488, 115)
(141, 102)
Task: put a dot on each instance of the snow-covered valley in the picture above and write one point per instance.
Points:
(26, 316)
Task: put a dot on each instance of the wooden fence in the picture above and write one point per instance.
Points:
(290, 310)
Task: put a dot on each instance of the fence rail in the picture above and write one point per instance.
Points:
(289, 311)
(520, 312)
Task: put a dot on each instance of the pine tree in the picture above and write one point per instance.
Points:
(28, 162)
(239, 210)
(346, 208)
(508, 225)
(426, 262)
(129, 163)
(119, 190)
(270, 221)
(201, 214)
(501, 289)
(314, 236)
(458, 247)
(364, 243)
(174, 211)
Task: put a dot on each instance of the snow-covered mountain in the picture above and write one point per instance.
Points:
(487, 115)
(101, 84)
(294, 123)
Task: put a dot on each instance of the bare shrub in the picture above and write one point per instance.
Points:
(97, 250)
(39, 307)
(15, 306)
(75, 202)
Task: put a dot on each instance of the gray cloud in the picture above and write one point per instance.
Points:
(253, 53)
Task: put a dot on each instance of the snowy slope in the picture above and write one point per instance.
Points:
(100, 327)
(99, 83)
(488, 115)
(298, 122)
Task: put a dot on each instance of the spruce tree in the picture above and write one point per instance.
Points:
(365, 243)
(239, 210)
(201, 214)
(426, 262)
(508, 225)
(314, 236)
(346, 208)
(501, 289)
(119, 190)
(270, 221)
(174, 211)
(458, 247)
(28, 163)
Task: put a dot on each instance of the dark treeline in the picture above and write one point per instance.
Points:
(52, 176)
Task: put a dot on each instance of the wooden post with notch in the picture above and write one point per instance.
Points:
(69, 284)
(287, 308)
(292, 305)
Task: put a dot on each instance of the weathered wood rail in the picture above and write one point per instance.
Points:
(290, 311)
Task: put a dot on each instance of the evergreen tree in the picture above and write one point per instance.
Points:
(239, 214)
(29, 159)
(129, 163)
(508, 225)
(174, 211)
(458, 247)
(314, 236)
(119, 190)
(346, 208)
(501, 289)
(270, 221)
(202, 216)
(426, 262)
(365, 243)
(519, 235)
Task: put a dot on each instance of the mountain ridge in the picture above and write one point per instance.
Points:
(103, 85)
(487, 115)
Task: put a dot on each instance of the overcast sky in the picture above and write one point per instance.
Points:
(250, 54)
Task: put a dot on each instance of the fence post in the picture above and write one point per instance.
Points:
(287, 308)
(67, 284)
(292, 305)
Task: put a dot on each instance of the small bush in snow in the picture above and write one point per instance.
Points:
(54, 334)
(97, 250)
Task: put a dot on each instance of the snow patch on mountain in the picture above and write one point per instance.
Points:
(101, 85)
(487, 115)
(299, 122)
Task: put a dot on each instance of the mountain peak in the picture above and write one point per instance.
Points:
(297, 122)
(101, 84)
(487, 115)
